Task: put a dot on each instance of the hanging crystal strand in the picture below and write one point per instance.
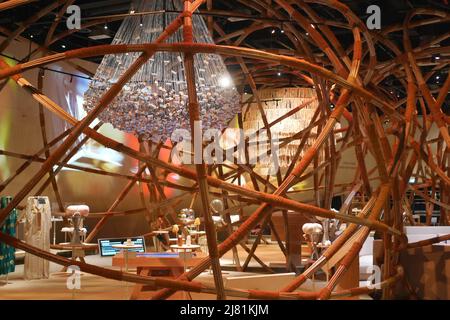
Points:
(282, 101)
(154, 103)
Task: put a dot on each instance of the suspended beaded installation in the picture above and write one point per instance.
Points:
(154, 103)
(279, 102)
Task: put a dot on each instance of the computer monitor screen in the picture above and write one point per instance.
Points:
(107, 250)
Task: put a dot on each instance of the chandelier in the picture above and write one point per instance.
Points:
(154, 102)
(275, 104)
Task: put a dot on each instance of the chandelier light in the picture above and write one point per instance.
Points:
(154, 102)
(278, 102)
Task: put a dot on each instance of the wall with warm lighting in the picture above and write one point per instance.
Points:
(20, 132)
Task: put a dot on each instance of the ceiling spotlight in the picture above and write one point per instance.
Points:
(132, 11)
(307, 33)
(63, 46)
(279, 73)
(106, 26)
(438, 77)
(31, 36)
(273, 31)
(225, 82)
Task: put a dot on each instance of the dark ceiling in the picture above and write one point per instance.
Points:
(230, 16)
(393, 12)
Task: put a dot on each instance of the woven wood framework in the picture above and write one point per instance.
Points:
(380, 125)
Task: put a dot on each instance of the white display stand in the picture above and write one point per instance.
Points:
(125, 248)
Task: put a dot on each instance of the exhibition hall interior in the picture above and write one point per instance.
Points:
(224, 150)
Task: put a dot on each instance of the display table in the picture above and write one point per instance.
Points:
(78, 250)
(185, 248)
(169, 264)
(125, 248)
(69, 246)
(197, 234)
(187, 251)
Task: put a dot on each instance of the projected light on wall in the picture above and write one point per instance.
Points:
(92, 154)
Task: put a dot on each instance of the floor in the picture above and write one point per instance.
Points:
(97, 288)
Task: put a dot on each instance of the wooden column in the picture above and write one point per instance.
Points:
(195, 120)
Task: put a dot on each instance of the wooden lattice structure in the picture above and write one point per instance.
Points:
(380, 124)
